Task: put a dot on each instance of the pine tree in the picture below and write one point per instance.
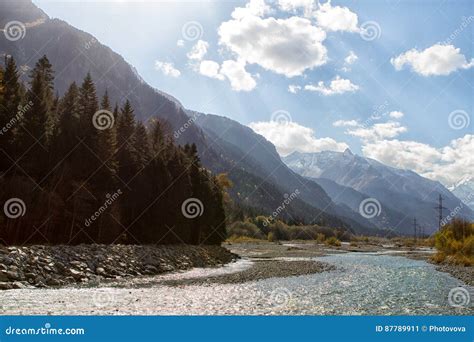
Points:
(10, 114)
(106, 146)
(126, 141)
(68, 131)
(36, 129)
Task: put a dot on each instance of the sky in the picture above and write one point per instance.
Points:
(390, 79)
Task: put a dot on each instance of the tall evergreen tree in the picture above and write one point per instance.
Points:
(126, 141)
(37, 129)
(10, 114)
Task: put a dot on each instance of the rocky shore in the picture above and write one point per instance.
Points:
(54, 266)
(463, 273)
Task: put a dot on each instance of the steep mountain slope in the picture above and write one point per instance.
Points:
(464, 190)
(402, 191)
(387, 219)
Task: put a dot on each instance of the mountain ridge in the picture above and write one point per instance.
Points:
(402, 191)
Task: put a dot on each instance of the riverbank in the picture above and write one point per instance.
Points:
(309, 249)
(56, 266)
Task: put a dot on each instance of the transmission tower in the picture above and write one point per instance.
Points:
(440, 210)
(414, 228)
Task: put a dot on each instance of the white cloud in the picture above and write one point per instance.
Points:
(378, 131)
(180, 43)
(336, 18)
(434, 61)
(292, 88)
(198, 51)
(337, 86)
(294, 5)
(240, 79)
(290, 136)
(346, 123)
(351, 58)
(167, 68)
(396, 114)
(210, 69)
(447, 164)
(285, 46)
(253, 8)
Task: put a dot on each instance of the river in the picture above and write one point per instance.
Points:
(362, 284)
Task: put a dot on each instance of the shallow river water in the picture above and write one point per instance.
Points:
(364, 283)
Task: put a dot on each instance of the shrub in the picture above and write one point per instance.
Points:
(271, 237)
(455, 243)
(333, 241)
(244, 229)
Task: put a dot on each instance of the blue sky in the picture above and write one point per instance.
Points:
(404, 97)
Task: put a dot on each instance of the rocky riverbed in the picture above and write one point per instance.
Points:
(54, 266)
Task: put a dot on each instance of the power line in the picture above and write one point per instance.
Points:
(440, 208)
(414, 228)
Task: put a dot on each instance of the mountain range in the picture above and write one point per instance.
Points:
(403, 194)
(262, 180)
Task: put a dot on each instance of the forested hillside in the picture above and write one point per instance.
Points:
(79, 169)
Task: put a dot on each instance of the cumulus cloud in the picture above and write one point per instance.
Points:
(351, 58)
(396, 114)
(336, 18)
(337, 86)
(346, 123)
(290, 136)
(378, 131)
(447, 164)
(240, 79)
(436, 60)
(285, 46)
(180, 43)
(292, 88)
(198, 51)
(210, 69)
(253, 8)
(295, 5)
(167, 68)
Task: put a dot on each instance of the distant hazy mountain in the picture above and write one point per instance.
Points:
(260, 179)
(464, 190)
(404, 194)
